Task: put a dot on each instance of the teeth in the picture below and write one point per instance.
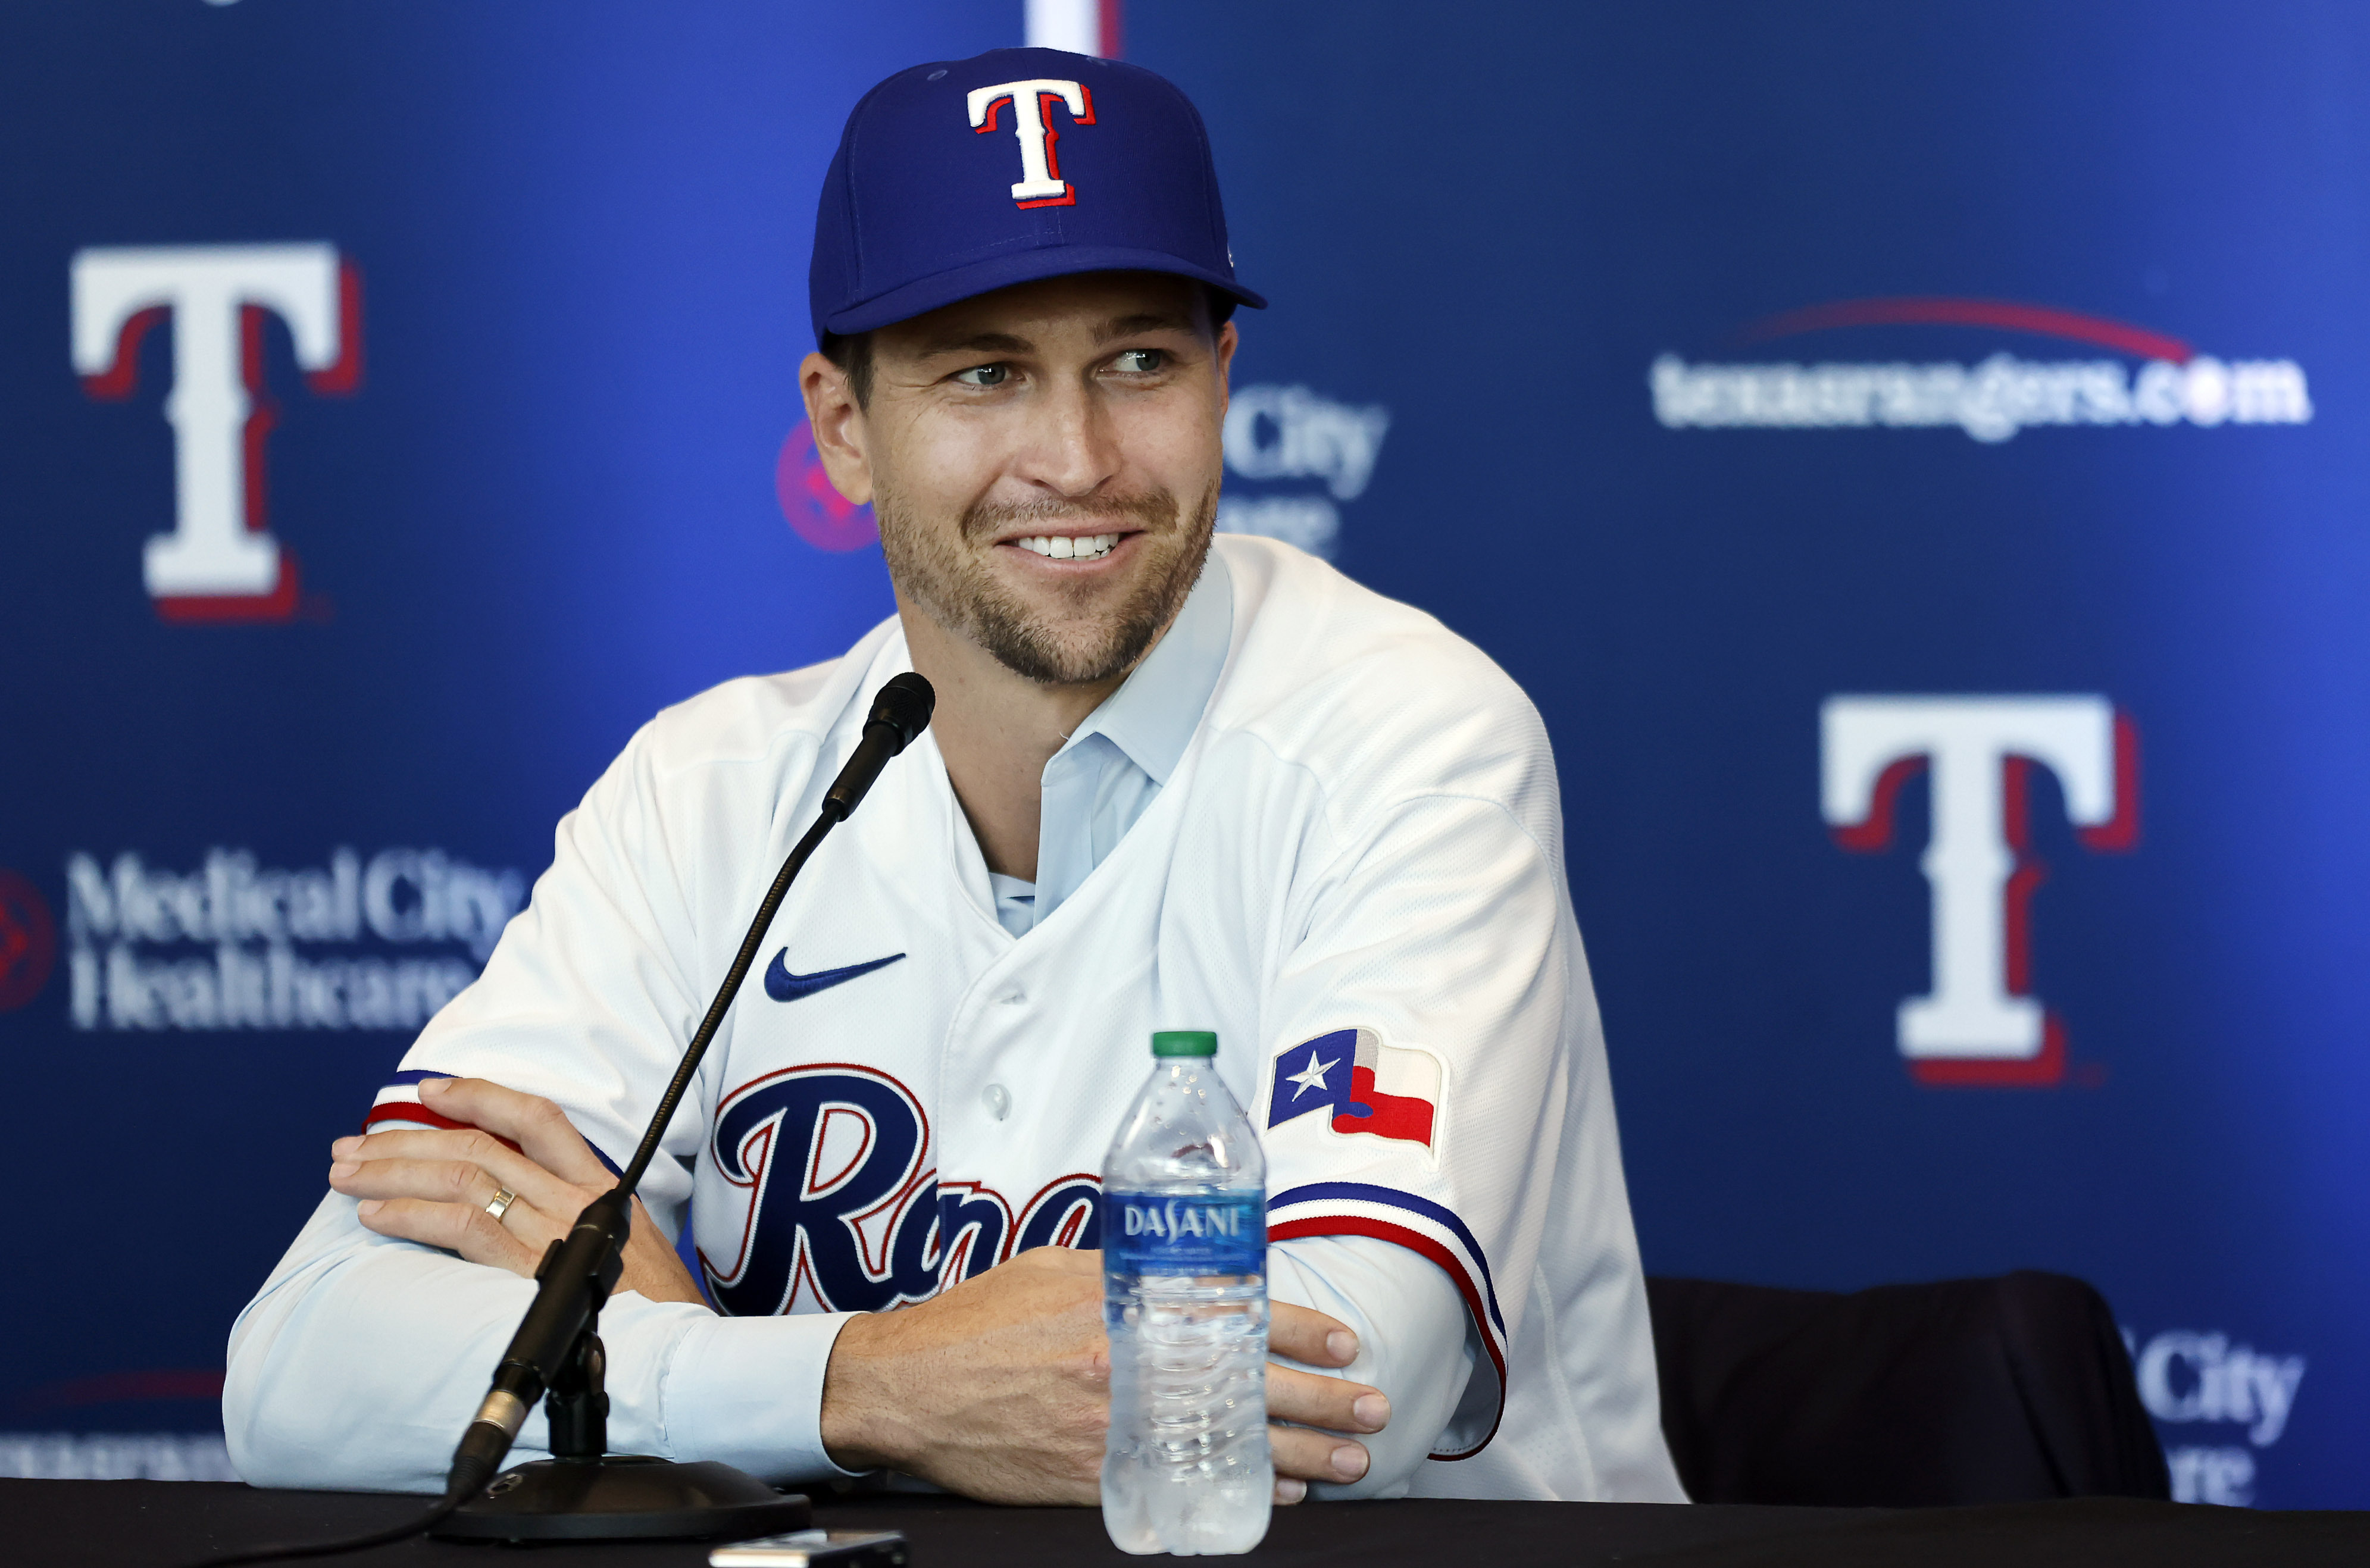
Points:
(1059, 547)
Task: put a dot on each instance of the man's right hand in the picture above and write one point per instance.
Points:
(1000, 1388)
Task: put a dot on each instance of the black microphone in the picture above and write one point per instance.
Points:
(578, 1271)
(900, 711)
(576, 1275)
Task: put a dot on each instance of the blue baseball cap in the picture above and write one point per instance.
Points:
(964, 175)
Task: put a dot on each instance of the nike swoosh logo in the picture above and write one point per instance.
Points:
(784, 986)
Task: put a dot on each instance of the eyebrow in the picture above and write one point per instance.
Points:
(1006, 343)
(1144, 320)
(977, 343)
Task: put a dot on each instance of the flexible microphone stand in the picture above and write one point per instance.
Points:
(582, 1491)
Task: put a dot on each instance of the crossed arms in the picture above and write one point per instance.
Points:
(356, 1364)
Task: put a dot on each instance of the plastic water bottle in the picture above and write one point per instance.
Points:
(1186, 1468)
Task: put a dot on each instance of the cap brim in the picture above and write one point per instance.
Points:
(926, 295)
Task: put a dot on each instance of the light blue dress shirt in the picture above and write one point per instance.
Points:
(1113, 766)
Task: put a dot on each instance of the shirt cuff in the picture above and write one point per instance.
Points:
(748, 1391)
(1415, 1343)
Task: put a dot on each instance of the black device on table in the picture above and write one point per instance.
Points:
(814, 1549)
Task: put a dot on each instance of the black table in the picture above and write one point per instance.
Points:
(114, 1524)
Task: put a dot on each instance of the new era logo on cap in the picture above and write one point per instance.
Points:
(921, 208)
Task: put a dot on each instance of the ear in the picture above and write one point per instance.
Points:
(839, 428)
(1227, 341)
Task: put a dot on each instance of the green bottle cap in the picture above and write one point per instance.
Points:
(1184, 1043)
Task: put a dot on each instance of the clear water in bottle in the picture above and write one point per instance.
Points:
(1186, 1468)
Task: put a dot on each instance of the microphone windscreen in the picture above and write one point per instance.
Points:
(904, 705)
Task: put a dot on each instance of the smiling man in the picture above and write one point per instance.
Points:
(1172, 782)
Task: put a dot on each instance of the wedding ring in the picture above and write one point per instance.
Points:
(499, 1204)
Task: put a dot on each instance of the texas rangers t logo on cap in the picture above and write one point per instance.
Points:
(1367, 1086)
(1042, 184)
(911, 219)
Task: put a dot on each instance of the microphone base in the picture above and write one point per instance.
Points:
(624, 1497)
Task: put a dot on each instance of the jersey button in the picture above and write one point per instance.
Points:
(998, 1102)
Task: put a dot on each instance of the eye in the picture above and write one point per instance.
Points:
(984, 375)
(1140, 361)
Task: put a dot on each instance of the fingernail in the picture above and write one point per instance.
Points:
(1289, 1490)
(1349, 1461)
(344, 1147)
(1343, 1344)
(1373, 1410)
(342, 1169)
(432, 1086)
(369, 1207)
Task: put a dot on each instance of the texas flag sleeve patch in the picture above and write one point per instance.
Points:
(1362, 1086)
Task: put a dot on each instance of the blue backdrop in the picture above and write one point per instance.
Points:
(1705, 363)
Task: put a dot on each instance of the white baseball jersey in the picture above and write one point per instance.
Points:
(1355, 876)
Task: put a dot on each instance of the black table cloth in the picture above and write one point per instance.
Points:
(114, 1524)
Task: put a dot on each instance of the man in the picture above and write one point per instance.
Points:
(1167, 786)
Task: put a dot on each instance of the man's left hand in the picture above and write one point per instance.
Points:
(439, 1187)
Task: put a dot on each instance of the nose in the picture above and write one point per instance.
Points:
(1072, 446)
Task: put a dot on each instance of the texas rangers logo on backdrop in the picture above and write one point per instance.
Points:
(811, 504)
(1367, 1088)
(839, 1209)
(220, 561)
(1040, 183)
(29, 940)
(1980, 1025)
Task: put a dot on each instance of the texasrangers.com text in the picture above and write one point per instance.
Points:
(1991, 401)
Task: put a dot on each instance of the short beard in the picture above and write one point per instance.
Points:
(953, 585)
